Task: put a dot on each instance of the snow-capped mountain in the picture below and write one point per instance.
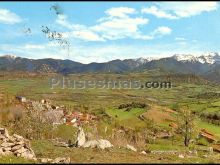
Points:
(143, 60)
(185, 57)
(208, 58)
(206, 64)
(10, 56)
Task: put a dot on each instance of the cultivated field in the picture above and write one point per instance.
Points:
(147, 129)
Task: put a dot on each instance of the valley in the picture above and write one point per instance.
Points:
(148, 129)
(109, 82)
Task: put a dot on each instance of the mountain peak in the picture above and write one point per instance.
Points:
(184, 57)
(208, 58)
(143, 60)
(211, 54)
(10, 56)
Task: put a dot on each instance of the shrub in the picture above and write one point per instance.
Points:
(175, 107)
(129, 106)
(66, 132)
(202, 141)
(11, 114)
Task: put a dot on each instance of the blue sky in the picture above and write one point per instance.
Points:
(103, 31)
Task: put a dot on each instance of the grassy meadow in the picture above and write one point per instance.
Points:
(162, 110)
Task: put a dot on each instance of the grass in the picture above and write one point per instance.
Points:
(127, 118)
(123, 115)
(46, 149)
(216, 104)
(210, 127)
(212, 109)
(66, 132)
(167, 145)
(14, 160)
(182, 94)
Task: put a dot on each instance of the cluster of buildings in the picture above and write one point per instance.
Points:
(52, 113)
(78, 118)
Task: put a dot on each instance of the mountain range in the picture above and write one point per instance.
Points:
(206, 65)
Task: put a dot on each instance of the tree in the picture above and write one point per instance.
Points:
(186, 124)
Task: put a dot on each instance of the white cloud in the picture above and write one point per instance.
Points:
(158, 13)
(162, 30)
(8, 17)
(63, 21)
(176, 10)
(76, 30)
(118, 28)
(85, 35)
(120, 12)
(35, 51)
(33, 46)
(118, 23)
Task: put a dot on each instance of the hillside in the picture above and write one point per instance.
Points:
(207, 66)
(138, 117)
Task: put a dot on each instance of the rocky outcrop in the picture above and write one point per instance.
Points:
(18, 146)
(53, 116)
(15, 145)
(81, 138)
(143, 152)
(48, 113)
(100, 143)
(43, 105)
(59, 160)
(131, 148)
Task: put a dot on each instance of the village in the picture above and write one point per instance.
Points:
(58, 115)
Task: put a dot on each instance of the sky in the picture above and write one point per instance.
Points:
(104, 31)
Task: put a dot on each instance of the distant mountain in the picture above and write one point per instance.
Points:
(183, 64)
(210, 58)
(206, 65)
(12, 63)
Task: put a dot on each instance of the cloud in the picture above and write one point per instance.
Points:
(34, 51)
(33, 46)
(85, 35)
(115, 25)
(160, 31)
(120, 12)
(177, 10)
(102, 52)
(118, 23)
(63, 21)
(118, 28)
(7, 17)
(158, 13)
(76, 30)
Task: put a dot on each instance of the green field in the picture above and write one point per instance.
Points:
(104, 103)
